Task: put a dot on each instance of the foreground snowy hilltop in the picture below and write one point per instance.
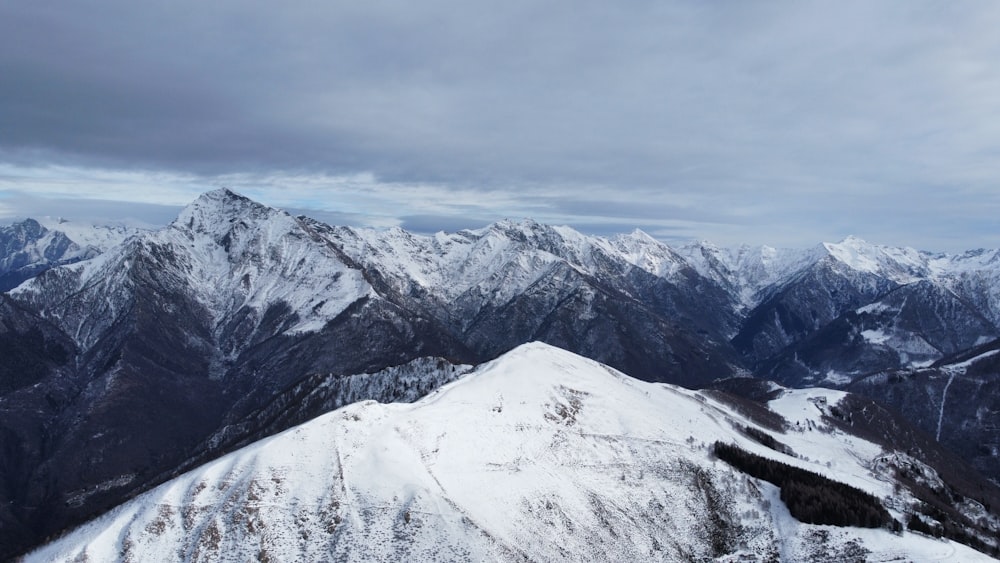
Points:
(249, 320)
(540, 455)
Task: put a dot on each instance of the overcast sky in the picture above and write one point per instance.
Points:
(786, 123)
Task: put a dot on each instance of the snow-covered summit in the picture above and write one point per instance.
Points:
(902, 265)
(100, 236)
(239, 259)
(215, 212)
(580, 463)
(240, 301)
(749, 271)
(239, 253)
(645, 252)
(28, 248)
(29, 242)
(503, 259)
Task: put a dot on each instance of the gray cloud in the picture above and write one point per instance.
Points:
(640, 208)
(15, 206)
(434, 223)
(739, 118)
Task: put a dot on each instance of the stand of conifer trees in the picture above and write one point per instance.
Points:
(811, 497)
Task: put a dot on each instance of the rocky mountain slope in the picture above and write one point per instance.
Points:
(249, 320)
(956, 400)
(864, 315)
(235, 303)
(582, 463)
(629, 301)
(790, 296)
(212, 317)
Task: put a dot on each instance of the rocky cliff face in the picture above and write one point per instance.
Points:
(956, 400)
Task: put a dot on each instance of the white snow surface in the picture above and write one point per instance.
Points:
(875, 336)
(973, 275)
(961, 367)
(539, 455)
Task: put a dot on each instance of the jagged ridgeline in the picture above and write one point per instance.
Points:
(235, 310)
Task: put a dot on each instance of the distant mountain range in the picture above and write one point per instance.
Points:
(130, 361)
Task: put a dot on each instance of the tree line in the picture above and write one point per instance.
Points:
(811, 497)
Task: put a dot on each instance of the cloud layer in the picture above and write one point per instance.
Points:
(736, 121)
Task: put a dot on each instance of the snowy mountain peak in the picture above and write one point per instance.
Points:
(972, 259)
(583, 464)
(216, 212)
(532, 233)
(99, 235)
(636, 237)
(542, 364)
(855, 240)
(240, 253)
(248, 265)
(645, 252)
(901, 265)
(523, 224)
(27, 248)
(710, 246)
(850, 244)
(749, 271)
(25, 231)
(223, 197)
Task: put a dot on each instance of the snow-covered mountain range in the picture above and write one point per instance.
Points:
(540, 455)
(27, 249)
(250, 320)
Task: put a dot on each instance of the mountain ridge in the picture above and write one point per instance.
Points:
(236, 303)
(584, 463)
